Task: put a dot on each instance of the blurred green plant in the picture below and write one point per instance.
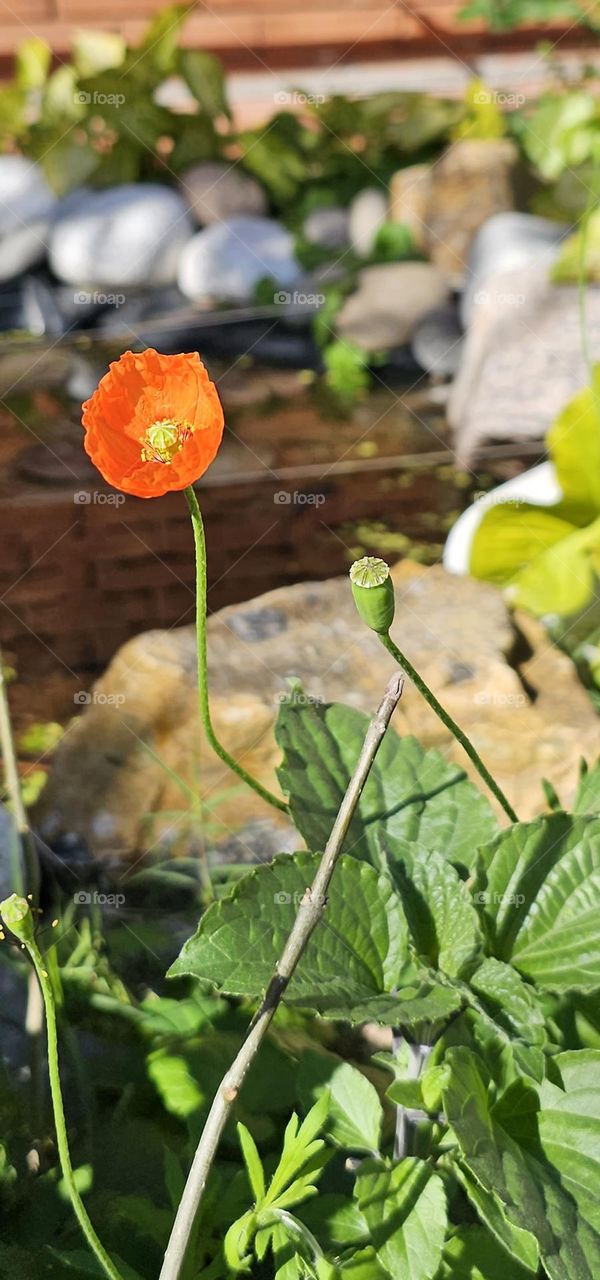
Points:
(547, 558)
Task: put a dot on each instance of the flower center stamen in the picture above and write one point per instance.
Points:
(164, 439)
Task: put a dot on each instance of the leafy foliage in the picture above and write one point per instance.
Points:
(548, 558)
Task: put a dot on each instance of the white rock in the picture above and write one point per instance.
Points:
(506, 242)
(229, 258)
(128, 235)
(26, 208)
(327, 227)
(368, 211)
(215, 192)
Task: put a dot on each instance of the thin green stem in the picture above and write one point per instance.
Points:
(450, 724)
(59, 1116)
(201, 588)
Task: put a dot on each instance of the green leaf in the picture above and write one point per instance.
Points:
(519, 1243)
(510, 537)
(519, 1172)
(509, 1001)
(204, 75)
(355, 963)
(252, 1162)
(473, 1254)
(542, 900)
(355, 1113)
(32, 63)
(83, 1262)
(405, 1209)
(574, 446)
(178, 1090)
(161, 38)
(438, 906)
(587, 798)
(576, 1069)
(561, 132)
(411, 793)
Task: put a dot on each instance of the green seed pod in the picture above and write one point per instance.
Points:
(16, 914)
(373, 592)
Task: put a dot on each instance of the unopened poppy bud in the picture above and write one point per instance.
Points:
(16, 914)
(373, 592)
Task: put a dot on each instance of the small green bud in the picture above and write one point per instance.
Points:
(373, 592)
(16, 914)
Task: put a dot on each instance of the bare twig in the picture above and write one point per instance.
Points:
(310, 912)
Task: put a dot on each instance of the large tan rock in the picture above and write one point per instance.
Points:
(445, 203)
(137, 748)
(389, 303)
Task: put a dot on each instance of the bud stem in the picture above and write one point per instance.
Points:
(450, 724)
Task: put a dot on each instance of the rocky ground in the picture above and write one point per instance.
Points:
(128, 769)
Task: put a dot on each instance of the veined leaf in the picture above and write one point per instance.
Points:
(519, 1243)
(473, 1254)
(542, 901)
(356, 965)
(437, 904)
(520, 1172)
(405, 1209)
(355, 1113)
(411, 793)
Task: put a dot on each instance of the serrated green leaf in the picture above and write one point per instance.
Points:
(519, 1243)
(405, 1209)
(519, 1172)
(356, 965)
(474, 1254)
(411, 793)
(355, 1113)
(437, 904)
(587, 797)
(542, 900)
(509, 1001)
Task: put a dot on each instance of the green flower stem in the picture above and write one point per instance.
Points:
(201, 588)
(450, 724)
(22, 926)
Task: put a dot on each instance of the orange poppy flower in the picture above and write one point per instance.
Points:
(154, 423)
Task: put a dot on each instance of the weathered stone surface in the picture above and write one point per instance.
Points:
(505, 242)
(217, 191)
(522, 358)
(121, 759)
(389, 303)
(410, 197)
(470, 182)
